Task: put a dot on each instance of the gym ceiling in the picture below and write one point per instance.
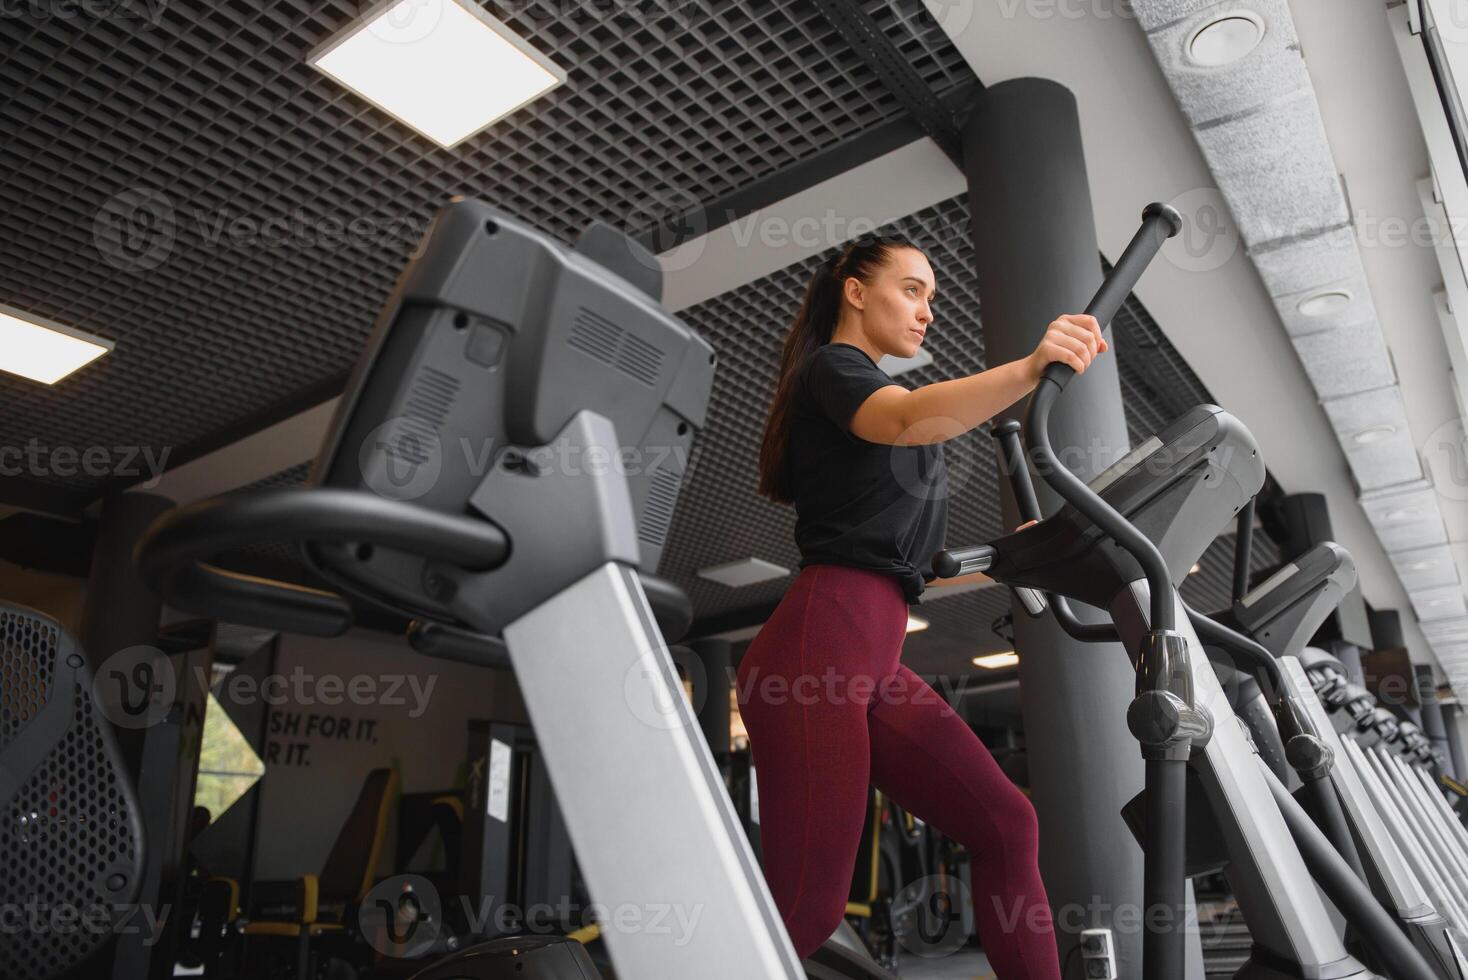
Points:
(177, 178)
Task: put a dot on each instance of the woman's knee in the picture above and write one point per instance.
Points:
(1018, 824)
(815, 922)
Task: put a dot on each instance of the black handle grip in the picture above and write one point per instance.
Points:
(173, 556)
(452, 643)
(1159, 223)
(953, 562)
(1012, 457)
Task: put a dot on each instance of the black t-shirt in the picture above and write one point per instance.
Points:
(860, 503)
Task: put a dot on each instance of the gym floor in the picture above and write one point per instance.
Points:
(966, 964)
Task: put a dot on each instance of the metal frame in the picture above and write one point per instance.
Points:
(1285, 913)
(636, 781)
(1418, 903)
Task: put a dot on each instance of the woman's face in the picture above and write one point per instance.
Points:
(895, 304)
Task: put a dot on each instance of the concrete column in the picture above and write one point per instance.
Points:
(712, 702)
(1431, 711)
(1036, 257)
(1453, 729)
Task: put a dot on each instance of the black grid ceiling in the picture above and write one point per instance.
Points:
(211, 115)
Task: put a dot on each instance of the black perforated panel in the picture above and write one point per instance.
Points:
(25, 672)
(70, 837)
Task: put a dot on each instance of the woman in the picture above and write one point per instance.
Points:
(828, 704)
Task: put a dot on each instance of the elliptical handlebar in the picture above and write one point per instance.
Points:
(953, 562)
(1159, 223)
(173, 556)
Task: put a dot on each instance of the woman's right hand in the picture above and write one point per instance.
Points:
(1073, 339)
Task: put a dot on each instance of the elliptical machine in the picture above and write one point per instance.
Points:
(1279, 616)
(1122, 544)
(503, 468)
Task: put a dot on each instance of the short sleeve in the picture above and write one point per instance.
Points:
(839, 378)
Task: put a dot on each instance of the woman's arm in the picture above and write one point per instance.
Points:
(938, 412)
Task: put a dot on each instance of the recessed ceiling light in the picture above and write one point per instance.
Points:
(1195, 569)
(1375, 433)
(916, 625)
(1437, 602)
(995, 661)
(1401, 513)
(746, 571)
(448, 69)
(1324, 304)
(1418, 566)
(44, 351)
(1225, 39)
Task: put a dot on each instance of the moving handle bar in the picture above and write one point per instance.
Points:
(1159, 223)
(1162, 716)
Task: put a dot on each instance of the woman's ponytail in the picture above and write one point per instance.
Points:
(812, 328)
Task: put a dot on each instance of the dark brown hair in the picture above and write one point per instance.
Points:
(811, 330)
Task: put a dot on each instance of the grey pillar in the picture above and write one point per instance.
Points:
(1453, 729)
(118, 610)
(1431, 711)
(1036, 257)
(711, 704)
(1350, 655)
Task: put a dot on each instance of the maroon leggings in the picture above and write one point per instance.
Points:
(829, 709)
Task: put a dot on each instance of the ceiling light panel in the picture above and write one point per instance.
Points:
(1439, 602)
(43, 350)
(746, 571)
(447, 69)
(1405, 519)
(1325, 306)
(1270, 70)
(893, 366)
(1423, 568)
(1383, 462)
(1225, 41)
